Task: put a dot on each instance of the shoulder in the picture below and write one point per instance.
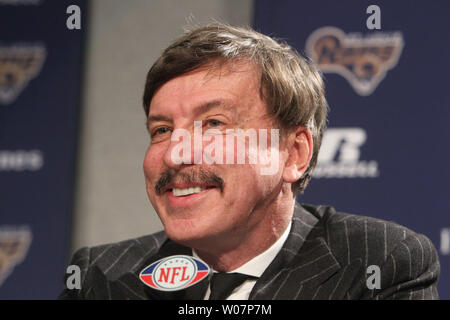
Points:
(352, 230)
(114, 259)
(404, 256)
(109, 262)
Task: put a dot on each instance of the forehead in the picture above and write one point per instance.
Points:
(237, 82)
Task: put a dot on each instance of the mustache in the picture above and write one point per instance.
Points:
(198, 176)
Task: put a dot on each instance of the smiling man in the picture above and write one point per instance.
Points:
(216, 100)
(229, 213)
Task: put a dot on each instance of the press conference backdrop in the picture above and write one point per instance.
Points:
(40, 70)
(386, 150)
(385, 153)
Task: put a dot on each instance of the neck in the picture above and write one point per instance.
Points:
(247, 244)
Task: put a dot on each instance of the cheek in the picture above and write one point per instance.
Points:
(152, 162)
(248, 183)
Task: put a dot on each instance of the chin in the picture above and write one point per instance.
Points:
(193, 236)
(183, 232)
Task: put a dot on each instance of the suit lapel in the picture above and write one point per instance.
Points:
(299, 271)
(302, 265)
(129, 286)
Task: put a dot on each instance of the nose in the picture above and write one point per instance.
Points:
(184, 148)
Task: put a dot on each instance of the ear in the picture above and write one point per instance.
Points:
(300, 149)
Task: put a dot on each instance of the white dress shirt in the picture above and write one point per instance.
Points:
(254, 267)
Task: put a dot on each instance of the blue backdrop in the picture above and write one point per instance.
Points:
(40, 75)
(386, 152)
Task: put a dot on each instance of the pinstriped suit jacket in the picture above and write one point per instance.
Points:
(325, 256)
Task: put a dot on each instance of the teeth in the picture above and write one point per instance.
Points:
(186, 191)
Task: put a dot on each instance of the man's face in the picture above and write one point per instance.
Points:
(227, 202)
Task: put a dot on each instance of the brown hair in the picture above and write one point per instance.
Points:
(290, 84)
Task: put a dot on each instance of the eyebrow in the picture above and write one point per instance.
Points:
(158, 117)
(155, 118)
(214, 104)
(200, 109)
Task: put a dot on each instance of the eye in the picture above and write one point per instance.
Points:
(214, 122)
(160, 131)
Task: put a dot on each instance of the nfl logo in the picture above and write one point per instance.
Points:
(174, 273)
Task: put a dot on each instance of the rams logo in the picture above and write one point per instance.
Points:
(14, 244)
(363, 61)
(18, 65)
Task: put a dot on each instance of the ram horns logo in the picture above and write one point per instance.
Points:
(174, 273)
(18, 65)
(14, 244)
(362, 60)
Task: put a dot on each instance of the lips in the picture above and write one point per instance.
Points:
(187, 184)
(180, 192)
(186, 188)
(187, 196)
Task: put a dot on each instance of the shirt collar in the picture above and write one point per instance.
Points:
(256, 266)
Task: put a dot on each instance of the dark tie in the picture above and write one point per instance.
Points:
(222, 284)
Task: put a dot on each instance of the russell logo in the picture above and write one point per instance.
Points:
(174, 273)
